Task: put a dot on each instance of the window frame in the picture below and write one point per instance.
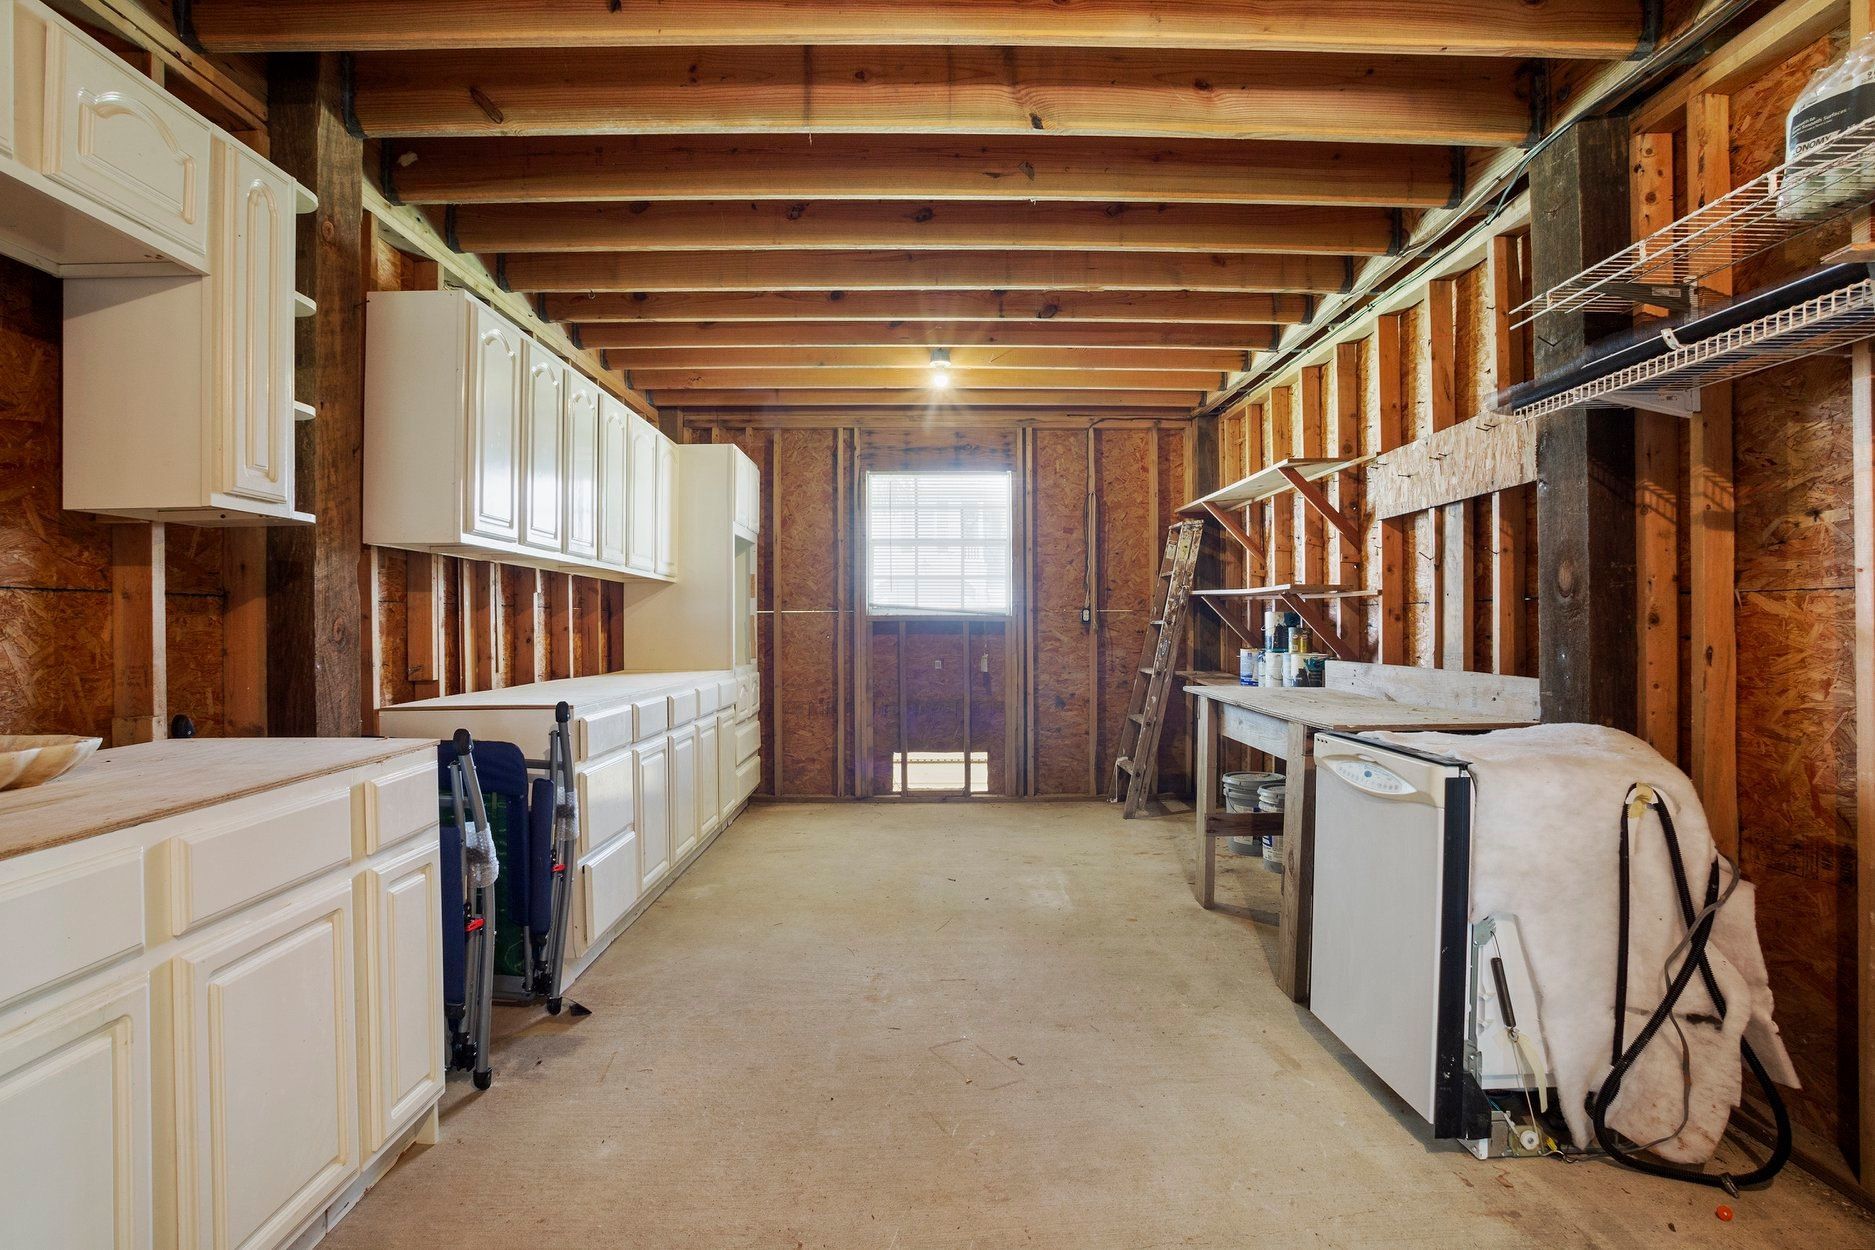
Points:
(866, 605)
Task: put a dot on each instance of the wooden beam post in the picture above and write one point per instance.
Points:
(314, 610)
(140, 656)
(1711, 514)
(1657, 493)
(244, 633)
(1862, 425)
(1585, 458)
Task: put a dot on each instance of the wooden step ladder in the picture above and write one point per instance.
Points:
(1136, 771)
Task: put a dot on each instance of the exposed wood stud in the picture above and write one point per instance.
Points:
(1509, 544)
(244, 632)
(1657, 490)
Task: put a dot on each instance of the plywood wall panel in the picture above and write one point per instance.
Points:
(194, 640)
(935, 685)
(394, 684)
(989, 721)
(884, 697)
(1794, 476)
(1796, 774)
(55, 662)
(1061, 677)
(805, 550)
(808, 687)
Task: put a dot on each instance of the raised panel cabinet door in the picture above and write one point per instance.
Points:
(645, 530)
(582, 467)
(254, 308)
(544, 421)
(75, 1126)
(402, 1032)
(615, 519)
(115, 137)
(726, 760)
(709, 762)
(266, 1029)
(667, 507)
(494, 421)
(683, 747)
(654, 812)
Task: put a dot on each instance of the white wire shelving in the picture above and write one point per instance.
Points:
(1663, 269)
(1672, 382)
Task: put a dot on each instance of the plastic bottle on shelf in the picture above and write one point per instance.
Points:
(1837, 97)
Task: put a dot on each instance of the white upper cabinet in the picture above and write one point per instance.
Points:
(546, 467)
(748, 495)
(645, 523)
(497, 380)
(544, 421)
(254, 295)
(581, 482)
(118, 139)
(615, 498)
(667, 507)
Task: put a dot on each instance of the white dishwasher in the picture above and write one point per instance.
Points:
(1398, 970)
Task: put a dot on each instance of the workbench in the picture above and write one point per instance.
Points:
(1282, 722)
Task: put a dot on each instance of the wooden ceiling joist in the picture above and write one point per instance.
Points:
(636, 360)
(961, 380)
(926, 399)
(656, 272)
(741, 337)
(754, 225)
(1598, 29)
(936, 90)
(1035, 307)
(919, 167)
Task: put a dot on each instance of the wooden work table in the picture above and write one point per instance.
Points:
(1282, 722)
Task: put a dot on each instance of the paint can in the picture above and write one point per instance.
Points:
(1246, 667)
(1299, 640)
(1241, 794)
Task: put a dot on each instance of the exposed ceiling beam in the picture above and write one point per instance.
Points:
(669, 381)
(861, 167)
(925, 271)
(1030, 307)
(753, 225)
(956, 91)
(639, 359)
(1604, 29)
(743, 336)
(923, 397)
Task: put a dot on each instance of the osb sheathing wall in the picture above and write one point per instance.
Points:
(1794, 619)
(1040, 695)
(56, 665)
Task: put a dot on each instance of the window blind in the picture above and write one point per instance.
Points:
(938, 543)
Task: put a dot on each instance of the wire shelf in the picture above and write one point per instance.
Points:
(1831, 179)
(1671, 383)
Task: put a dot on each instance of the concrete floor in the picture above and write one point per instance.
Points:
(993, 1025)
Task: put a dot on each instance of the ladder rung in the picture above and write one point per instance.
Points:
(1124, 764)
(1136, 717)
(1160, 621)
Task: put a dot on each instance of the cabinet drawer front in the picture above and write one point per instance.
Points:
(651, 716)
(683, 707)
(728, 693)
(706, 699)
(244, 856)
(609, 885)
(605, 732)
(605, 801)
(400, 806)
(70, 920)
(114, 137)
(81, 1080)
(748, 777)
(748, 738)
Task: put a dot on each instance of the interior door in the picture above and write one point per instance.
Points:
(254, 293)
(494, 433)
(545, 422)
(582, 466)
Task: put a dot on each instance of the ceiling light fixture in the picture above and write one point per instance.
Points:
(940, 366)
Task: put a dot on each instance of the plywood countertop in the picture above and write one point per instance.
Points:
(127, 786)
(1344, 710)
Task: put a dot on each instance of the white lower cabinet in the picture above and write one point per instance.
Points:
(75, 1126)
(709, 755)
(652, 761)
(400, 964)
(609, 885)
(267, 1093)
(726, 761)
(683, 749)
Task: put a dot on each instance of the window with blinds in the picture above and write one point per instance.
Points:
(938, 544)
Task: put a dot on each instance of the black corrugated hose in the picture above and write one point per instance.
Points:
(1699, 933)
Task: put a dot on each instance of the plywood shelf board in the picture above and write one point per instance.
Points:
(1273, 480)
